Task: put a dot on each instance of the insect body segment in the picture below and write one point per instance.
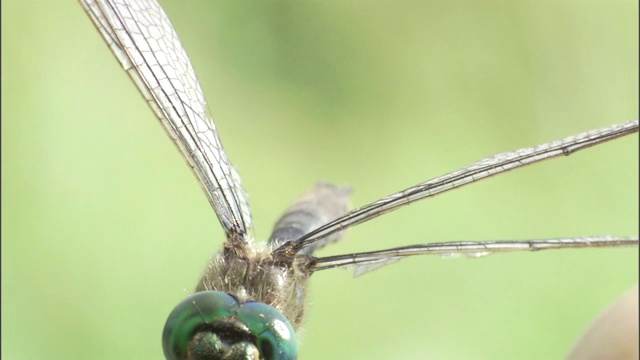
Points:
(212, 324)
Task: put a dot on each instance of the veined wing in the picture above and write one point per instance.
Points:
(142, 38)
(368, 261)
(482, 169)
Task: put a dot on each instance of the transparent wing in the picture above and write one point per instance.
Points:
(482, 169)
(368, 261)
(144, 41)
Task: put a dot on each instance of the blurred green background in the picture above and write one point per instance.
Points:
(105, 229)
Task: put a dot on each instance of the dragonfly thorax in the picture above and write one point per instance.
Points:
(253, 275)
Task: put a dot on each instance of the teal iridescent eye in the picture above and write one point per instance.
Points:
(191, 316)
(276, 338)
(213, 325)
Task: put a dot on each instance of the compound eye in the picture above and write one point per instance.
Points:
(190, 317)
(275, 336)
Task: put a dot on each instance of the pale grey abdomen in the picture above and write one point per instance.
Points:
(322, 204)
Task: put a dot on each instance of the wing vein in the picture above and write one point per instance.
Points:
(143, 40)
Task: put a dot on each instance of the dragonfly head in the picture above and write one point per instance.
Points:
(214, 325)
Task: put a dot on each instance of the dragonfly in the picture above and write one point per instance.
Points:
(250, 301)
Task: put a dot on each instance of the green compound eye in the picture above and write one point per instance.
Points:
(276, 338)
(192, 315)
(213, 325)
